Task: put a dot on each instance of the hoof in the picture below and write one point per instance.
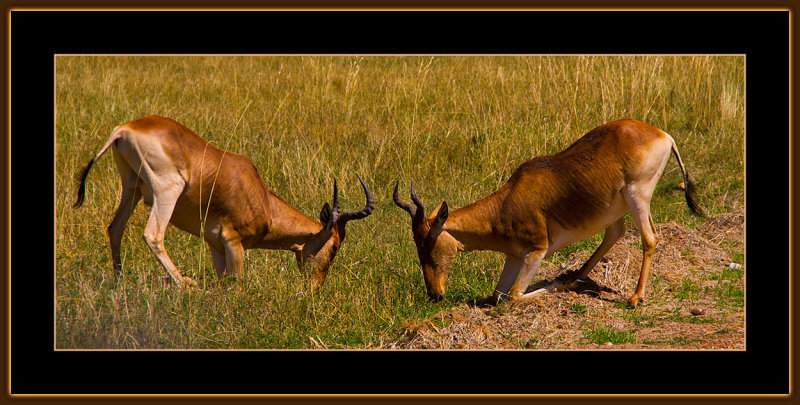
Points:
(497, 298)
(633, 302)
(575, 283)
(188, 282)
(484, 302)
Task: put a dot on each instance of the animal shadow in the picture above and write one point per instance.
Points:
(585, 286)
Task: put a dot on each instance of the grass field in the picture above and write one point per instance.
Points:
(457, 125)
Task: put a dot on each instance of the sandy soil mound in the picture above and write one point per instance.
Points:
(693, 300)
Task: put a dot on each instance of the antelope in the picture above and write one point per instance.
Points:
(550, 202)
(216, 195)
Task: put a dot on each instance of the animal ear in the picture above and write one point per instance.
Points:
(441, 215)
(326, 216)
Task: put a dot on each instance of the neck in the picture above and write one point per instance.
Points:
(477, 226)
(289, 229)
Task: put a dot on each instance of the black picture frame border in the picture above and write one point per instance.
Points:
(37, 369)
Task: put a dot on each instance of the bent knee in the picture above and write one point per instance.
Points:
(649, 242)
(155, 242)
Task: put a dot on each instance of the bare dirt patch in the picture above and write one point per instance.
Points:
(694, 301)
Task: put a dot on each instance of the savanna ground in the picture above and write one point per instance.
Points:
(458, 126)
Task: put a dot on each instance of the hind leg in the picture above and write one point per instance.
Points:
(165, 196)
(128, 200)
(640, 210)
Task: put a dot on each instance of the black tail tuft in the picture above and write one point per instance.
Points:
(82, 188)
(691, 195)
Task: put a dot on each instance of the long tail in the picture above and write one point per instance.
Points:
(689, 190)
(115, 134)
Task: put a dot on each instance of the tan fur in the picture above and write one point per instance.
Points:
(210, 193)
(550, 202)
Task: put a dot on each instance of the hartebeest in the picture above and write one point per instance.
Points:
(550, 202)
(215, 194)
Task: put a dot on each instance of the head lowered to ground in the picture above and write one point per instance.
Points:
(216, 195)
(550, 202)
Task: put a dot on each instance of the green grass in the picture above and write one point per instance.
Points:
(522, 344)
(599, 334)
(639, 318)
(729, 295)
(457, 125)
(577, 308)
(688, 290)
(729, 289)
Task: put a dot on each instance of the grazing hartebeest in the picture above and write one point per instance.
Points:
(550, 202)
(215, 194)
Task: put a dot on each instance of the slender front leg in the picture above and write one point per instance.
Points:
(530, 268)
(219, 261)
(234, 256)
(517, 275)
(507, 278)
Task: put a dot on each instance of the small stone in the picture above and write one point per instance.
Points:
(697, 311)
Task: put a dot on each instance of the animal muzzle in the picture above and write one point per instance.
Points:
(435, 296)
(318, 279)
(435, 293)
(434, 283)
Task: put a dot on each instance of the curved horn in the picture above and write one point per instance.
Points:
(407, 207)
(417, 202)
(335, 209)
(351, 215)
